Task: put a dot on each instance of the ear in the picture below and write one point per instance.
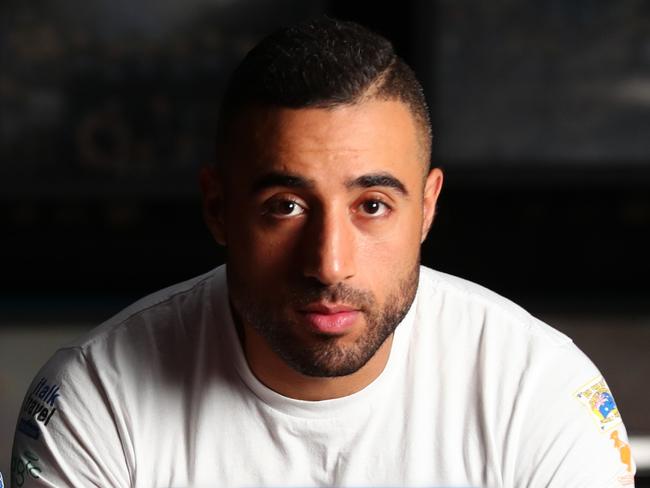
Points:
(212, 186)
(432, 187)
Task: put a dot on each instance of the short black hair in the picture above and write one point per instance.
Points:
(322, 63)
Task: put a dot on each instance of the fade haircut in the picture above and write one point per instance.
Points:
(321, 63)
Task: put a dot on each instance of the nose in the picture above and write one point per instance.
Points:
(329, 249)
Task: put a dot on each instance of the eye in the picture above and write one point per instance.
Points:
(283, 208)
(374, 208)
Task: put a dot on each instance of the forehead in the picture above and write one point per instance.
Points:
(374, 135)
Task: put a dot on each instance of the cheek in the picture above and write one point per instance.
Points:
(389, 256)
(258, 250)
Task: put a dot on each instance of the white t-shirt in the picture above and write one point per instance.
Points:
(476, 392)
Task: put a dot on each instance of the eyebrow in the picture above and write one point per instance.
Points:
(278, 178)
(378, 179)
(274, 179)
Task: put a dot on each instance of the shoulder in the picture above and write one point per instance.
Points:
(488, 338)
(154, 331)
(192, 301)
(478, 307)
(536, 387)
(138, 351)
(103, 390)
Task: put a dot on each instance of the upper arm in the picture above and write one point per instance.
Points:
(67, 434)
(572, 431)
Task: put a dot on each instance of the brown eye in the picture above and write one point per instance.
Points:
(284, 208)
(374, 208)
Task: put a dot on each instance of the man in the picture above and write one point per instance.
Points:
(322, 354)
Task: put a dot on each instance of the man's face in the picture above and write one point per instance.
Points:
(323, 212)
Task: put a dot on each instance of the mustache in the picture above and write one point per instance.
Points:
(303, 295)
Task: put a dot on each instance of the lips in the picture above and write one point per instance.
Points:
(330, 319)
(325, 308)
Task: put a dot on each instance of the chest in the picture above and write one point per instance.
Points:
(409, 440)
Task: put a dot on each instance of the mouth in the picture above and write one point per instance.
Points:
(330, 319)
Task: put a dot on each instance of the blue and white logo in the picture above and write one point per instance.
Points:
(2, 483)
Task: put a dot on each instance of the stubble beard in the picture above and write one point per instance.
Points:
(327, 356)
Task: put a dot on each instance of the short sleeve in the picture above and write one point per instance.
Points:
(572, 431)
(66, 434)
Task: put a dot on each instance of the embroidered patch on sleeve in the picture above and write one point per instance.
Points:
(595, 395)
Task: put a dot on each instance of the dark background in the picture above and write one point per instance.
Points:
(102, 131)
(541, 113)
